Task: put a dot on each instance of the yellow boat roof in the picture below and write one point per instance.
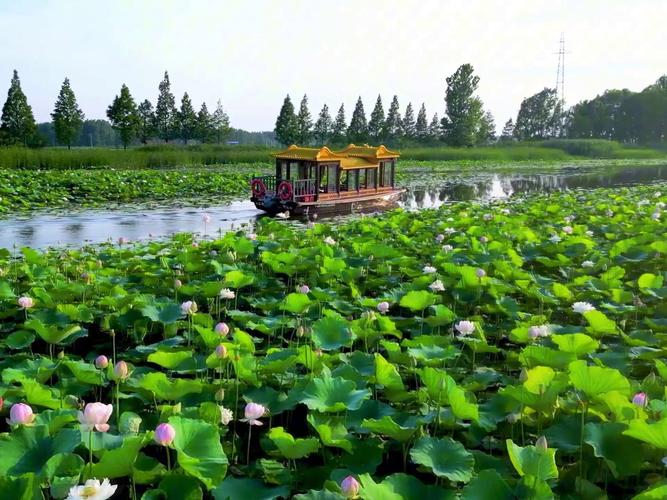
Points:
(352, 156)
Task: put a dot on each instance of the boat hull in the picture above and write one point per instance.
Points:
(334, 205)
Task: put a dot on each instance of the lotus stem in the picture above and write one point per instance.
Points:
(166, 451)
(248, 451)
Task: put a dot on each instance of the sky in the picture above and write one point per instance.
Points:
(251, 53)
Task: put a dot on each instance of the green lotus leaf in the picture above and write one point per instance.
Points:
(319, 495)
(621, 453)
(84, 372)
(199, 450)
(297, 303)
(118, 462)
(418, 300)
(332, 394)
(649, 280)
(28, 449)
(166, 314)
(531, 461)
(331, 430)
(443, 390)
(386, 426)
(52, 334)
(233, 489)
(238, 279)
(331, 333)
(292, 448)
(654, 434)
(576, 343)
(387, 376)
(19, 339)
(599, 323)
(399, 487)
(168, 390)
(538, 379)
(657, 491)
(597, 380)
(487, 485)
(181, 487)
(173, 359)
(147, 470)
(445, 457)
(25, 487)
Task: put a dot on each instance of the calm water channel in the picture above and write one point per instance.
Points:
(92, 226)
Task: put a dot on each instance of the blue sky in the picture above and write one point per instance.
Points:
(251, 53)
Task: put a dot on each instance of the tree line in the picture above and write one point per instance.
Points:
(465, 122)
(131, 121)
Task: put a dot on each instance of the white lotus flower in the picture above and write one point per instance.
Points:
(488, 216)
(329, 240)
(539, 331)
(429, 270)
(437, 286)
(582, 307)
(656, 215)
(447, 248)
(92, 490)
(226, 415)
(450, 230)
(589, 233)
(555, 239)
(465, 327)
(587, 263)
(440, 238)
(227, 294)
(567, 229)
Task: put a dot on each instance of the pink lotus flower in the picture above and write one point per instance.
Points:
(350, 487)
(465, 327)
(483, 239)
(20, 414)
(206, 218)
(437, 286)
(122, 240)
(221, 351)
(178, 283)
(304, 289)
(26, 302)
(164, 434)
(640, 399)
(189, 307)
(567, 229)
(95, 416)
(101, 361)
(383, 307)
(440, 238)
(253, 412)
(480, 273)
(252, 236)
(222, 329)
(538, 331)
(121, 371)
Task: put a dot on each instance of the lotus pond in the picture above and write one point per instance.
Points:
(514, 349)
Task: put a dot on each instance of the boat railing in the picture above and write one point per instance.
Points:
(304, 189)
(269, 181)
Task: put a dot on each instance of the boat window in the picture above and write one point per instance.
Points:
(387, 174)
(363, 177)
(331, 182)
(370, 178)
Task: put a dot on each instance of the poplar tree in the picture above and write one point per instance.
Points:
(507, 133)
(165, 111)
(487, 129)
(408, 123)
(392, 125)
(304, 122)
(358, 129)
(146, 125)
(376, 123)
(339, 127)
(464, 108)
(124, 116)
(17, 123)
(323, 126)
(204, 130)
(434, 130)
(421, 127)
(220, 123)
(286, 129)
(67, 117)
(187, 119)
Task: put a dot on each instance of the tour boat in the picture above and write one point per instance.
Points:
(318, 180)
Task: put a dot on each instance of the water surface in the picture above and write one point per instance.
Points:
(425, 190)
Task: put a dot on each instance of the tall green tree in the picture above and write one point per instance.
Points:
(421, 127)
(507, 133)
(408, 127)
(323, 126)
(486, 132)
(393, 124)
(166, 116)
(304, 122)
(220, 123)
(187, 119)
(376, 123)
(124, 116)
(17, 123)
(146, 126)
(287, 129)
(539, 116)
(339, 131)
(67, 116)
(464, 108)
(204, 130)
(357, 131)
(434, 129)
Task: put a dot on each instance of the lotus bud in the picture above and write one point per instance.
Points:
(350, 487)
(480, 273)
(222, 329)
(101, 362)
(220, 395)
(2, 403)
(61, 355)
(304, 289)
(26, 302)
(541, 443)
(134, 424)
(73, 401)
(20, 414)
(221, 351)
(300, 331)
(383, 307)
(121, 370)
(177, 283)
(523, 376)
(640, 399)
(165, 434)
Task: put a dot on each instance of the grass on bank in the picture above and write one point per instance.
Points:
(156, 156)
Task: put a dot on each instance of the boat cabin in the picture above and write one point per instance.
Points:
(312, 176)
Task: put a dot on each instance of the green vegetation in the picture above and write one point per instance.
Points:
(511, 350)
